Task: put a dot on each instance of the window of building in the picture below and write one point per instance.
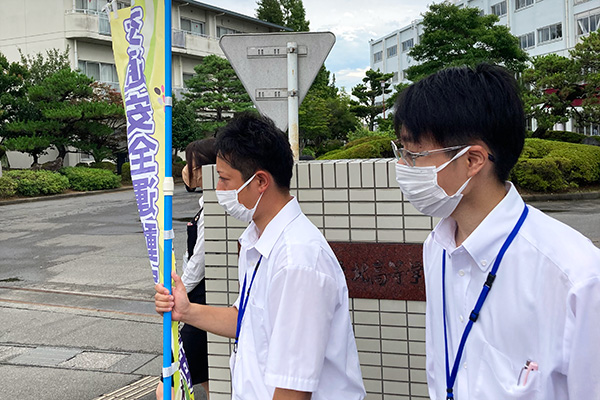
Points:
(103, 24)
(191, 26)
(101, 72)
(499, 9)
(377, 57)
(408, 44)
(94, 6)
(522, 3)
(392, 51)
(590, 130)
(221, 30)
(588, 23)
(187, 77)
(89, 5)
(528, 40)
(549, 33)
(395, 77)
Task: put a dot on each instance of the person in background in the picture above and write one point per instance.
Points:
(535, 335)
(197, 153)
(291, 321)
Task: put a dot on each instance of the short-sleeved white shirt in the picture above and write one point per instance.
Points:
(296, 333)
(544, 306)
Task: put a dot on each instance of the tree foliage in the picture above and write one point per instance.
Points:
(40, 67)
(550, 92)
(558, 88)
(288, 13)
(270, 11)
(215, 94)
(13, 89)
(586, 59)
(367, 93)
(324, 116)
(186, 128)
(67, 109)
(454, 36)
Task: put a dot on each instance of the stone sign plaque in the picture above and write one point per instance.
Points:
(382, 270)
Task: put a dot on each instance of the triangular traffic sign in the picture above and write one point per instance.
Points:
(260, 61)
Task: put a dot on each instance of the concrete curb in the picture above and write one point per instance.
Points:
(561, 196)
(62, 196)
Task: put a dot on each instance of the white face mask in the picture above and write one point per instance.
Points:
(228, 199)
(420, 187)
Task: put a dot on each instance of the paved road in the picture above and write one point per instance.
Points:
(583, 215)
(76, 306)
(77, 312)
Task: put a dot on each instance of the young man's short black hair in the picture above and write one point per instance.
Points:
(457, 106)
(251, 142)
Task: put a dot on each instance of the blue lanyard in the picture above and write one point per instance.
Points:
(451, 377)
(243, 304)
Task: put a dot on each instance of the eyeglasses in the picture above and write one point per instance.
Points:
(409, 158)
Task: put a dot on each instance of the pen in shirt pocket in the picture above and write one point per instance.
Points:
(527, 368)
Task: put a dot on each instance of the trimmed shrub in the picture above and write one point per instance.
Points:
(8, 187)
(551, 166)
(367, 147)
(562, 136)
(85, 179)
(177, 168)
(107, 165)
(38, 183)
(126, 174)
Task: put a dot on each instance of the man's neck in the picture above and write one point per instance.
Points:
(473, 209)
(269, 206)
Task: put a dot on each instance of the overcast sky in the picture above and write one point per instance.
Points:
(354, 23)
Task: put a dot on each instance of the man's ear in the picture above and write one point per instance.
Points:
(477, 157)
(264, 180)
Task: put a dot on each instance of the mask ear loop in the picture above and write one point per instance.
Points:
(457, 156)
(244, 185)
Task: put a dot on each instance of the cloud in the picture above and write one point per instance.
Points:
(354, 23)
(348, 78)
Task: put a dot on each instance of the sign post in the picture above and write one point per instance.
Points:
(277, 69)
(292, 95)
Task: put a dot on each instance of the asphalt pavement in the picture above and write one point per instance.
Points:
(76, 298)
(76, 294)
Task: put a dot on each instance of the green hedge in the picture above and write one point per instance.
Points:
(561, 136)
(366, 147)
(126, 174)
(107, 165)
(552, 166)
(85, 179)
(8, 187)
(38, 183)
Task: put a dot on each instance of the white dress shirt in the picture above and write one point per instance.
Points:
(194, 268)
(544, 306)
(296, 332)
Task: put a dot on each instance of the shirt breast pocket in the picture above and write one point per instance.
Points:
(499, 378)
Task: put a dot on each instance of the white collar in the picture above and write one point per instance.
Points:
(265, 242)
(484, 243)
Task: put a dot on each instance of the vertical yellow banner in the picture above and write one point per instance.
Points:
(139, 51)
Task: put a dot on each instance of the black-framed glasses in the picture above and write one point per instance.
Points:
(409, 158)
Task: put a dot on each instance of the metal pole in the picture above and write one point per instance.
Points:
(292, 64)
(168, 189)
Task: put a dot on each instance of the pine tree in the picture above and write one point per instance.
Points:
(270, 11)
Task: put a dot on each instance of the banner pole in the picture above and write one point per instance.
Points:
(168, 199)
